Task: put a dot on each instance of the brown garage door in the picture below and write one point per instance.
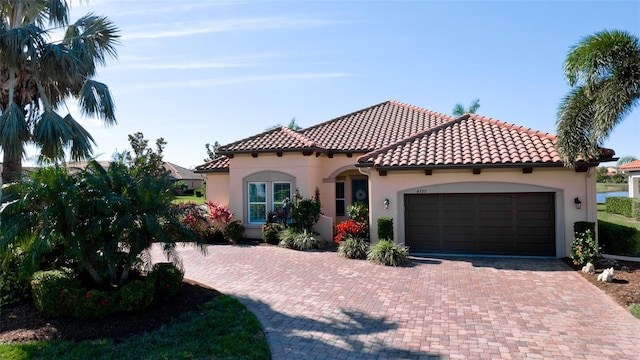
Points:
(488, 223)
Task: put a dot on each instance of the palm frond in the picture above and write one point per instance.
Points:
(95, 37)
(81, 141)
(14, 131)
(20, 44)
(95, 99)
(458, 110)
(52, 134)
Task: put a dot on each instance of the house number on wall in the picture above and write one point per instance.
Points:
(422, 191)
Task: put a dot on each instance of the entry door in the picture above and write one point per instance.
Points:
(360, 191)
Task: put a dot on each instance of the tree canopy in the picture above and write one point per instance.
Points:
(459, 109)
(604, 72)
(38, 76)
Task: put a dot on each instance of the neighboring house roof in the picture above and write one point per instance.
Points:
(394, 135)
(634, 165)
(180, 173)
(468, 141)
(220, 164)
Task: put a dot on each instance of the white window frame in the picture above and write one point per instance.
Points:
(343, 198)
(250, 203)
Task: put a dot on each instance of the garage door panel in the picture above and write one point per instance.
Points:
(487, 223)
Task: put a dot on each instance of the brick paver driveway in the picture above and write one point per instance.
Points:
(317, 305)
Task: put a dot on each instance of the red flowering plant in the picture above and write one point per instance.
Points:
(350, 228)
(194, 218)
(219, 215)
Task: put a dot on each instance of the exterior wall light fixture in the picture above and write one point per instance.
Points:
(386, 203)
(578, 203)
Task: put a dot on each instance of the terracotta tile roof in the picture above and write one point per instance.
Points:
(468, 141)
(278, 139)
(373, 127)
(220, 164)
(634, 165)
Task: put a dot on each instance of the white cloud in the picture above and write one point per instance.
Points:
(238, 80)
(217, 26)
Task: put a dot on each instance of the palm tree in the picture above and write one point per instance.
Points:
(604, 71)
(459, 110)
(38, 76)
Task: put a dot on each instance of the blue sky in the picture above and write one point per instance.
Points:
(195, 72)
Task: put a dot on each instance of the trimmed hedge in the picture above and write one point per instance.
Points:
(13, 286)
(626, 206)
(51, 291)
(166, 279)
(618, 239)
(580, 227)
(385, 228)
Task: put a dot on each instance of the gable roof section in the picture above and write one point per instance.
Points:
(373, 127)
(468, 141)
(361, 131)
(278, 139)
(219, 164)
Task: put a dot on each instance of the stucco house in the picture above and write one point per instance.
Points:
(452, 185)
(632, 170)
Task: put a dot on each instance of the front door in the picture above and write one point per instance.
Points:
(360, 191)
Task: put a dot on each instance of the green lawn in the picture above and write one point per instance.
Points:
(189, 198)
(608, 187)
(223, 329)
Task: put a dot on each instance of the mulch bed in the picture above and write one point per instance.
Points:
(22, 322)
(625, 287)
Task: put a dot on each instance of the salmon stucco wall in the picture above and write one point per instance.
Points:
(565, 183)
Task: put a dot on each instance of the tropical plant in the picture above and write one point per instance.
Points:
(287, 238)
(459, 109)
(623, 160)
(604, 72)
(39, 75)
(358, 211)
(212, 151)
(353, 248)
(386, 252)
(104, 220)
(307, 239)
(350, 228)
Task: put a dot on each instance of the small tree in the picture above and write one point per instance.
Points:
(306, 212)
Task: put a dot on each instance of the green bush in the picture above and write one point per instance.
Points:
(635, 310)
(287, 238)
(306, 240)
(620, 205)
(135, 295)
(386, 252)
(353, 248)
(358, 211)
(385, 228)
(582, 226)
(306, 213)
(617, 239)
(166, 279)
(50, 291)
(90, 304)
(270, 232)
(584, 249)
(14, 287)
(234, 232)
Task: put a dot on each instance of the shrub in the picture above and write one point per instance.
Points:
(90, 304)
(583, 248)
(582, 226)
(306, 212)
(359, 212)
(620, 205)
(617, 239)
(635, 310)
(14, 287)
(306, 240)
(350, 228)
(353, 248)
(385, 228)
(288, 238)
(234, 232)
(50, 291)
(135, 295)
(166, 279)
(270, 232)
(386, 252)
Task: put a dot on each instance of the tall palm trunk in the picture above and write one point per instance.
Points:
(11, 168)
